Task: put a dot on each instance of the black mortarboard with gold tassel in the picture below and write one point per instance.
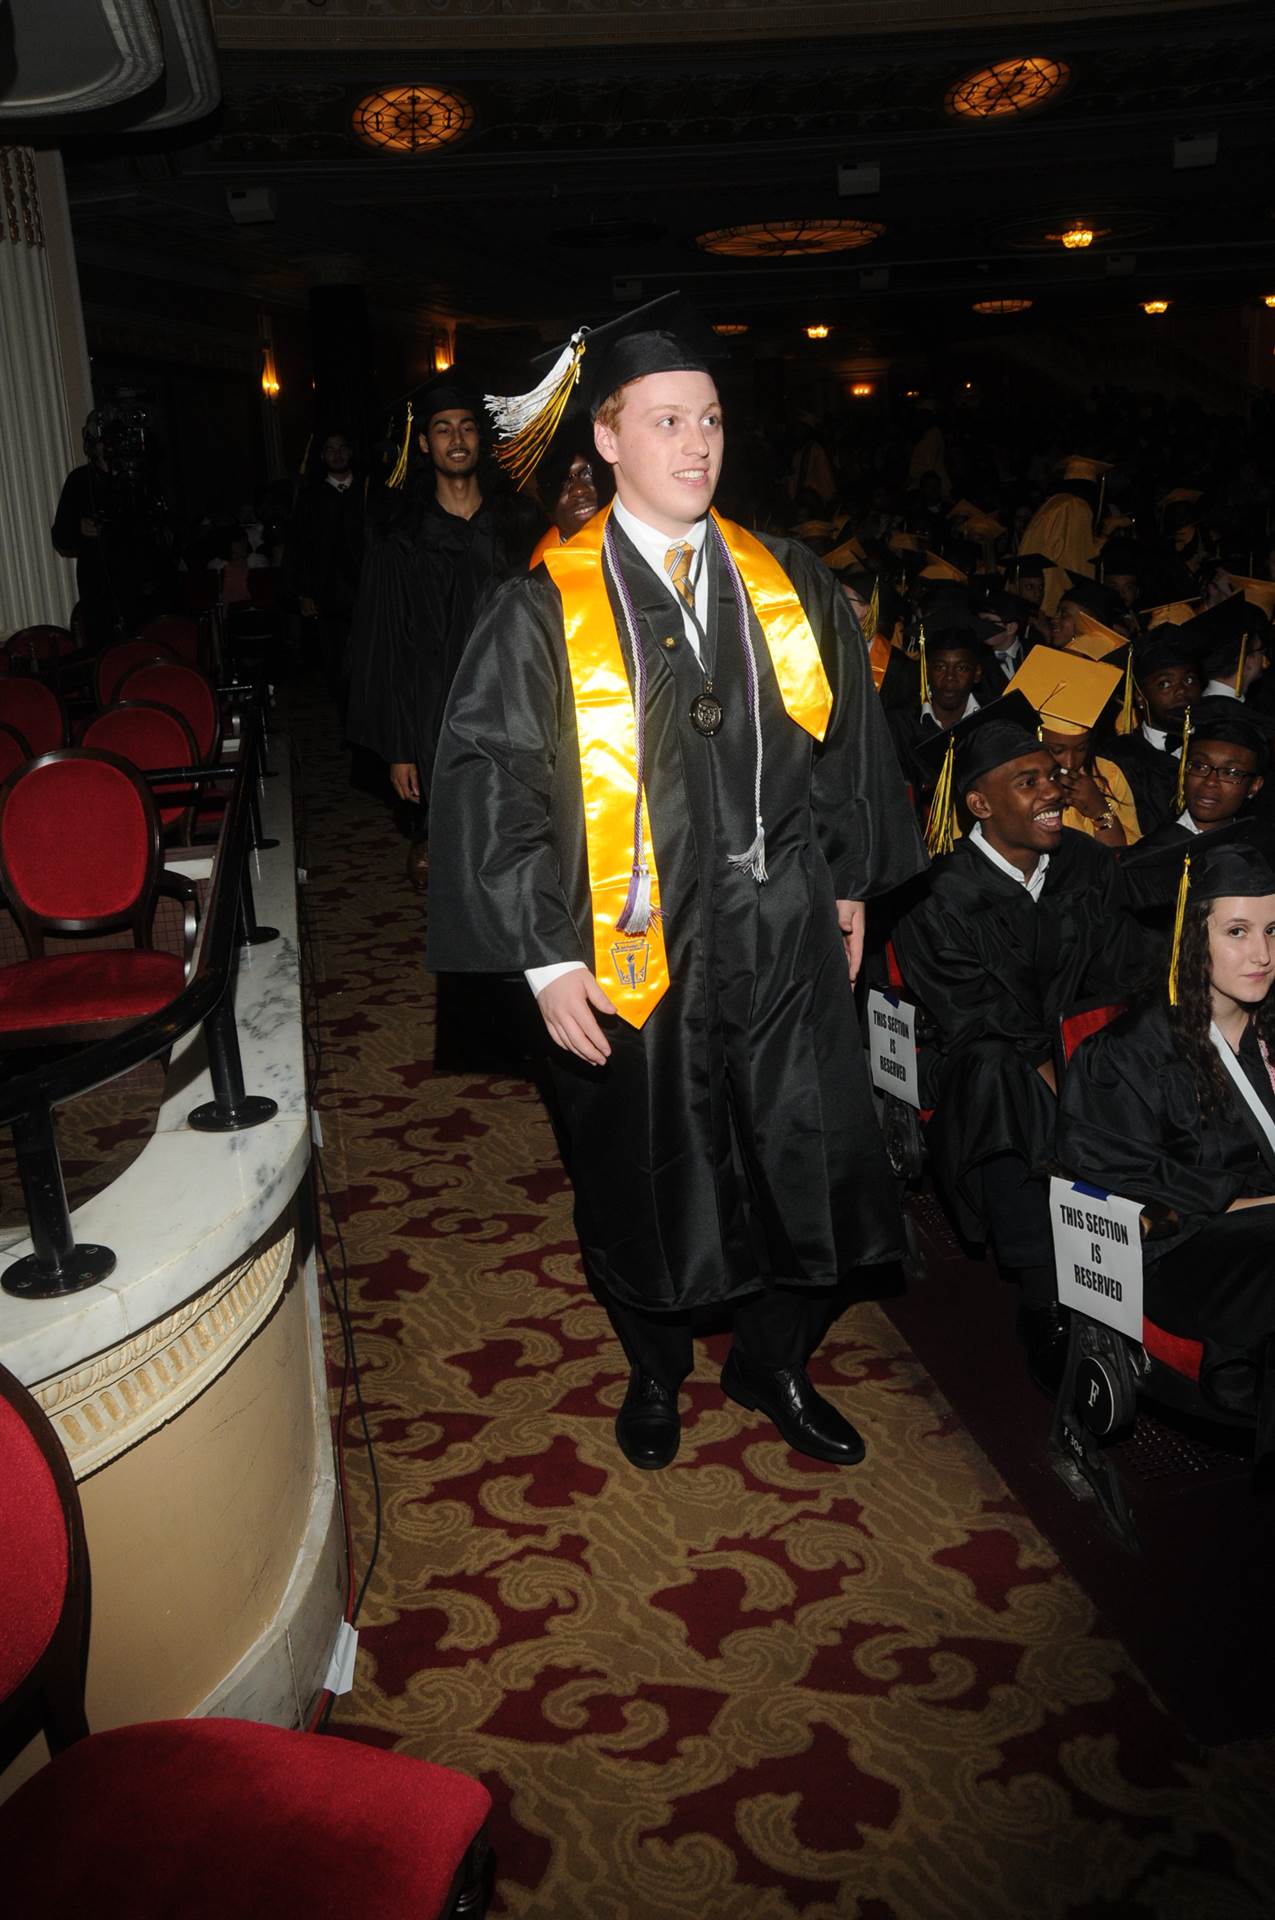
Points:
(958, 758)
(664, 336)
(445, 393)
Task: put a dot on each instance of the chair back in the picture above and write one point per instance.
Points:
(1077, 1023)
(43, 1578)
(185, 691)
(119, 661)
(79, 847)
(37, 644)
(14, 751)
(174, 633)
(147, 737)
(199, 590)
(33, 709)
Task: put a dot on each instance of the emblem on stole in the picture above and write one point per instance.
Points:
(630, 959)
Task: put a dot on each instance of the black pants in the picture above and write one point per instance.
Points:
(778, 1328)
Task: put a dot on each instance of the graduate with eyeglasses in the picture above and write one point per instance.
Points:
(665, 790)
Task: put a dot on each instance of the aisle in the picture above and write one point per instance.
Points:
(752, 1687)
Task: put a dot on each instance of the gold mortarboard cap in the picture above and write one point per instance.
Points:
(936, 568)
(1174, 613)
(1068, 691)
(1180, 496)
(1092, 637)
(981, 526)
(904, 543)
(1078, 466)
(813, 530)
(1258, 593)
(848, 554)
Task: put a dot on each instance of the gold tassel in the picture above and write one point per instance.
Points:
(1239, 671)
(1179, 916)
(523, 433)
(305, 458)
(940, 822)
(925, 673)
(399, 474)
(874, 613)
(1125, 722)
(1186, 745)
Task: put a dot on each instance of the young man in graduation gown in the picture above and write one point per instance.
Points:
(1020, 919)
(954, 672)
(1064, 528)
(435, 545)
(665, 790)
(1166, 683)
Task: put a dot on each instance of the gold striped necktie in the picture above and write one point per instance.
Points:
(677, 565)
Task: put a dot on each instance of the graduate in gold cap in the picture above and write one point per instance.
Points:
(1021, 918)
(1065, 527)
(1069, 693)
(1173, 1107)
(665, 791)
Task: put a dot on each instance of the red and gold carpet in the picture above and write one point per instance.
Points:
(751, 1687)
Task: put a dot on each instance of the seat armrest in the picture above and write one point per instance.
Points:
(176, 886)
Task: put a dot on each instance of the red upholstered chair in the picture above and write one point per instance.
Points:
(79, 855)
(149, 737)
(206, 1819)
(118, 662)
(33, 710)
(184, 690)
(174, 633)
(15, 751)
(39, 645)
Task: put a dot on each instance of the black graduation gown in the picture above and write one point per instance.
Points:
(731, 1140)
(1129, 1120)
(1152, 775)
(425, 572)
(994, 969)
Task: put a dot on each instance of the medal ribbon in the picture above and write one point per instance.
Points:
(633, 968)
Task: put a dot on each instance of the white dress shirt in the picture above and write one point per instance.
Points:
(1185, 820)
(341, 481)
(652, 545)
(1220, 690)
(1037, 880)
(971, 706)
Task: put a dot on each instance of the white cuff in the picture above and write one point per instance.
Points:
(538, 978)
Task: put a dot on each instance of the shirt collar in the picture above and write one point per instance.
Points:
(1155, 738)
(1185, 820)
(652, 544)
(1220, 690)
(1037, 880)
(971, 706)
(342, 482)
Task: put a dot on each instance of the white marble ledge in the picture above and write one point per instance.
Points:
(192, 1204)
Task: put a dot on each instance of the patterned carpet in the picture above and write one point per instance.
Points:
(752, 1687)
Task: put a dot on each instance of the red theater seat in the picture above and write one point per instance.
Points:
(148, 738)
(14, 751)
(205, 1818)
(32, 709)
(183, 690)
(119, 661)
(173, 633)
(79, 855)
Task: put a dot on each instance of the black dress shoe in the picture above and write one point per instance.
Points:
(648, 1427)
(809, 1423)
(1044, 1333)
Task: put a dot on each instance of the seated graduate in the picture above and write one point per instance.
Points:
(1006, 631)
(1025, 579)
(1173, 1107)
(1020, 919)
(1087, 608)
(1231, 640)
(1166, 681)
(1070, 692)
(951, 671)
(1222, 771)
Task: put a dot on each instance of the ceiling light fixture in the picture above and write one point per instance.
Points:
(818, 331)
(269, 375)
(1155, 306)
(1268, 299)
(1075, 237)
(730, 328)
(1001, 306)
(780, 239)
(862, 390)
(1010, 87)
(411, 119)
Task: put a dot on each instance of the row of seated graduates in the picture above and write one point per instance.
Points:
(983, 692)
(148, 702)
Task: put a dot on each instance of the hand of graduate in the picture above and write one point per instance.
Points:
(405, 780)
(566, 1006)
(852, 918)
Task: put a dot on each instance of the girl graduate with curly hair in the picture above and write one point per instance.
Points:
(1174, 1106)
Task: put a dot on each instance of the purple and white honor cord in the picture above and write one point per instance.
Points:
(753, 858)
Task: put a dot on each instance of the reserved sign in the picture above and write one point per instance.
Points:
(1098, 1254)
(892, 1046)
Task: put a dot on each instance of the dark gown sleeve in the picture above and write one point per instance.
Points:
(866, 829)
(496, 899)
(1128, 1121)
(382, 663)
(971, 995)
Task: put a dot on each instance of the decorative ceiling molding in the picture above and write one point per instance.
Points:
(402, 25)
(101, 58)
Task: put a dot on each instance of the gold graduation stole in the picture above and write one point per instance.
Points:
(633, 967)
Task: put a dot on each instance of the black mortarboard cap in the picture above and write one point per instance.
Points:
(1230, 721)
(957, 639)
(1236, 865)
(1121, 556)
(1218, 633)
(1164, 646)
(1100, 601)
(1004, 730)
(1029, 563)
(1152, 876)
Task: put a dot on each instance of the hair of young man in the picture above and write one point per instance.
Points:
(1191, 1018)
(612, 407)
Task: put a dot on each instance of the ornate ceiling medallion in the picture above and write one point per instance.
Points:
(1001, 306)
(1010, 87)
(411, 119)
(781, 239)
